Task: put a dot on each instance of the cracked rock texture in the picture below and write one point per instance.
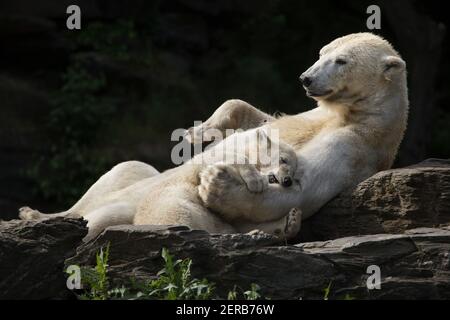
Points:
(32, 255)
(397, 220)
(415, 265)
(391, 201)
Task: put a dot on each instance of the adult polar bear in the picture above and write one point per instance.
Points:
(360, 85)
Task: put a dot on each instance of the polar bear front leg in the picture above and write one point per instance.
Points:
(232, 114)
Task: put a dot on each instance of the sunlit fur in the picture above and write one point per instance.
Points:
(354, 132)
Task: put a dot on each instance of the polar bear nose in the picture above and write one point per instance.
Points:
(306, 81)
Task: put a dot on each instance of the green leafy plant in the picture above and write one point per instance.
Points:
(78, 113)
(80, 109)
(173, 282)
(232, 294)
(253, 293)
(327, 291)
(115, 39)
(96, 279)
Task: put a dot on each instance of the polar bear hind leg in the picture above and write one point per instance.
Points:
(121, 176)
(114, 214)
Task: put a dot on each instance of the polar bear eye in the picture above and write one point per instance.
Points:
(341, 62)
(283, 160)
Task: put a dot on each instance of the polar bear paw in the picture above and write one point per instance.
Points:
(26, 213)
(293, 223)
(255, 182)
(215, 181)
(200, 134)
(256, 233)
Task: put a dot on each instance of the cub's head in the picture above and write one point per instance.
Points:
(281, 165)
(353, 68)
(284, 172)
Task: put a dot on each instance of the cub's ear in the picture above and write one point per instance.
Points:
(392, 65)
(265, 138)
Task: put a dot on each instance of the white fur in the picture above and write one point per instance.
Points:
(353, 133)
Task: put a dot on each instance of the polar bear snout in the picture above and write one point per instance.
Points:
(314, 88)
(305, 80)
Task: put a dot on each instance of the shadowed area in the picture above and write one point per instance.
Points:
(74, 103)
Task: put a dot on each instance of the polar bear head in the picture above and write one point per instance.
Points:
(353, 68)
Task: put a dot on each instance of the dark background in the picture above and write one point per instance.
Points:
(74, 103)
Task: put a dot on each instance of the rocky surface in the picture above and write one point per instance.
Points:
(397, 220)
(413, 266)
(32, 255)
(391, 201)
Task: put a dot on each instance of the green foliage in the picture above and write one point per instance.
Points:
(80, 124)
(232, 294)
(96, 278)
(238, 293)
(327, 291)
(77, 115)
(112, 40)
(253, 293)
(173, 282)
(80, 110)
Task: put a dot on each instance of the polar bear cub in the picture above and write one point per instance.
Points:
(261, 160)
(242, 163)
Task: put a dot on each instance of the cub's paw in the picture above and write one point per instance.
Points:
(26, 213)
(215, 181)
(293, 223)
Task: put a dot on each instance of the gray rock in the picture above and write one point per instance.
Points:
(391, 201)
(403, 215)
(413, 266)
(32, 255)
(226, 260)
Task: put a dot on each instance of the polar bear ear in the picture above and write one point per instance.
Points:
(264, 137)
(392, 65)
